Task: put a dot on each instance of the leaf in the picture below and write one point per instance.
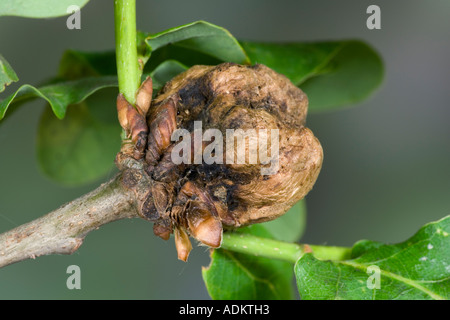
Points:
(59, 95)
(346, 71)
(38, 8)
(235, 276)
(418, 268)
(238, 276)
(290, 226)
(74, 66)
(78, 64)
(7, 74)
(203, 37)
(80, 148)
(332, 74)
(200, 39)
(187, 57)
(356, 72)
(143, 50)
(297, 61)
(165, 72)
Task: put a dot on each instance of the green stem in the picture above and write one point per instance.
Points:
(126, 49)
(331, 253)
(274, 249)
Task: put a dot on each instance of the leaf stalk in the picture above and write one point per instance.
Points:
(280, 250)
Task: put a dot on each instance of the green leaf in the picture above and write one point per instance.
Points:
(80, 148)
(165, 72)
(235, 276)
(290, 226)
(7, 74)
(59, 95)
(356, 72)
(297, 61)
(332, 74)
(38, 8)
(187, 57)
(418, 268)
(203, 37)
(346, 71)
(364, 245)
(143, 50)
(78, 64)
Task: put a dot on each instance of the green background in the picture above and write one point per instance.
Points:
(386, 170)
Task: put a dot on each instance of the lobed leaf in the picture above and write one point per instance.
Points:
(354, 73)
(347, 71)
(187, 57)
(332, 74)
(59, 95)
(203, 37)
(7, 74)
(297, 61)
(165, 72)
(78, 64)
(38, 8)
(80, 148)
(418, 268)
(290, 226)
(236, 276)
(83, 142)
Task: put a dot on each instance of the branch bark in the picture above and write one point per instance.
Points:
(63, 230)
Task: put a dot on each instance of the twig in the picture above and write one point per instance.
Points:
(128, 70)
(63, 230)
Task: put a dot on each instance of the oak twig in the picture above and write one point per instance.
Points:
(128, 70)
(63, 230)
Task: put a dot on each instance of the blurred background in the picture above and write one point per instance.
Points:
(387, 161)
